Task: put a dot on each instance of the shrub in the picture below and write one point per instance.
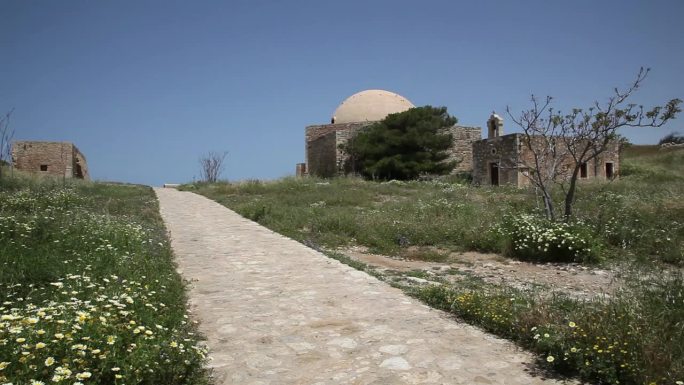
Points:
(534, 238)
(673, 138)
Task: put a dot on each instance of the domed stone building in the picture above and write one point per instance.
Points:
(323, 155)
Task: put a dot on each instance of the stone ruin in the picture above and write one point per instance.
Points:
(61, 159)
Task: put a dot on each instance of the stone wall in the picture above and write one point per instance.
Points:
(315, 131)
(323, 156)
(514, 160)
(594, 169)
(501, 151)
(320, 153)
(462, 150)
(80, 165)
(50, 158)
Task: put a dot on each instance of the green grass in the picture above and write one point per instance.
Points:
(633, 337)
(386, 217)
(88, 288)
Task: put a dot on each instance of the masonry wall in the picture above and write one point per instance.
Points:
(462, 150)
(502, 151)
(323, 157)
(80, 165)
(61, 159)
(611, 155)
(595, 168)
(514, 160)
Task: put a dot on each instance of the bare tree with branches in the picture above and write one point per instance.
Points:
(211, 166)
(6, 136)
(561, 144)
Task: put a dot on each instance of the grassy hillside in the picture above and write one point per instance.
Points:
(88, 289)
(637, 216)
(654, 161)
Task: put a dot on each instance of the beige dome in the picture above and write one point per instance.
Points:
(369, 106)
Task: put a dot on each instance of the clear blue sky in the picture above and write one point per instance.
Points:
(144, 88)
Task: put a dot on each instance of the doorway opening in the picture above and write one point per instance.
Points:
(609, 170)
(494, 174)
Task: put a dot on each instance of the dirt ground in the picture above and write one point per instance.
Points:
(571, 279)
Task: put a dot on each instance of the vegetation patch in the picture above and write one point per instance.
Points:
(88, 289)
(539, 239)
(633, 337)
(637, 216)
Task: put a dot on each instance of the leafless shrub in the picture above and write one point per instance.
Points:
(211, 166)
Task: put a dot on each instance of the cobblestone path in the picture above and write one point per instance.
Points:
(276, 312)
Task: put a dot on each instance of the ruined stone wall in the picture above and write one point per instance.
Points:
(462, 150)
(324, 158)
(47, 158)
(80, 166)
(61, 159)
(322, 155)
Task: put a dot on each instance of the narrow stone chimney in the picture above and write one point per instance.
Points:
(495, 126)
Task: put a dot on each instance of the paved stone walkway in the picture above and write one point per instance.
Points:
(277, 312)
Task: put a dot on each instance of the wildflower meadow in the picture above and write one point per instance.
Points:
(88, 290)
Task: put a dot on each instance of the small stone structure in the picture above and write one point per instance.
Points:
(507, 160)
(50, 158)
(324, 157)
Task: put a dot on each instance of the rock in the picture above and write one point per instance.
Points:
(417, 280)
(345, 343)
(395, 363)
(394, 350)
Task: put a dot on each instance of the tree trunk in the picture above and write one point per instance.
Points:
(570, 195)
(548, 205)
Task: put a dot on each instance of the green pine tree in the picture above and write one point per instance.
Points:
(403, 146)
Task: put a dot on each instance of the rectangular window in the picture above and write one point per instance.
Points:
(583, 170)
(43, 167)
